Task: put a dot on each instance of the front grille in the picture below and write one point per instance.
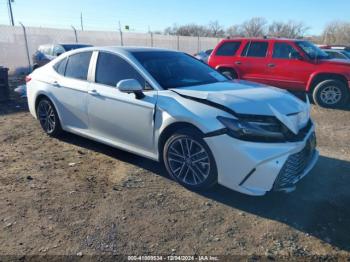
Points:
(296, 165)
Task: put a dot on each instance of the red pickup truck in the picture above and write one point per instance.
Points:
(296, 65)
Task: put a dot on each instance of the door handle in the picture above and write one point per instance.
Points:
(238, 63)
(271, 65)
(93, 92)
(56, 84)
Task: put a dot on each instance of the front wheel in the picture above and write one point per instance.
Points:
(189, 161)
(331, 93)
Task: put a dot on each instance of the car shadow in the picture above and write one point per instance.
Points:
(320, 206)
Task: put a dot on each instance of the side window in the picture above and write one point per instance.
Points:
(282, 51)
(255, 49)
(78, 65)
(228, 49)
(60, 67)
(110, 69)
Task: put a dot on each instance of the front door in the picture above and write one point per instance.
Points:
(286, 71)
(116, 117)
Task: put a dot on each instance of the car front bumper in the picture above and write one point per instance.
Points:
(256, 168)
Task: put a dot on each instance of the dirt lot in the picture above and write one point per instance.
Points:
(71, 195)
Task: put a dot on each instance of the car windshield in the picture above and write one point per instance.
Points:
(312, 51)
(176, 70)
(74, 46)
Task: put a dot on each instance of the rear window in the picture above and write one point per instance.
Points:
(78, 65)
(256, 49)
(228, 49)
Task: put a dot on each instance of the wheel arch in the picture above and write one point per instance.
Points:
(171, 129)
(44, 95)
(319, 77)
(227, 67)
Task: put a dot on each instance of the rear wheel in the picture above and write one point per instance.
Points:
(331, 93)
(48, 118)
(189, 160)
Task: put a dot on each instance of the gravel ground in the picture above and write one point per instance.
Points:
(72, 196)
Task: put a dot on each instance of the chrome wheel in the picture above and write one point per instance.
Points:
(46, 116)
(188, 161)
(331, 95)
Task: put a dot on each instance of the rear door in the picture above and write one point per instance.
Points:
(70, 89)
(253, 61)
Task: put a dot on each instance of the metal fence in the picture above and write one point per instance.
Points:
(18, 43)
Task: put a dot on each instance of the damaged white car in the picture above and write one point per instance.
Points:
(170, 107)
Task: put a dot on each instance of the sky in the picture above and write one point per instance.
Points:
(141, 15)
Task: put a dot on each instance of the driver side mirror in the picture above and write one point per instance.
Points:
(131, 86)
(295, 55)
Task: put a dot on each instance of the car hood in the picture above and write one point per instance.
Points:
(247, 98)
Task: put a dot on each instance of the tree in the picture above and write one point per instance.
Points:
(291, 29)
(234, 31)
(215, 29)
(337, 33)
(254, 27)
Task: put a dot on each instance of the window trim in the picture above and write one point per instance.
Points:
(248, 44)
(94, 59)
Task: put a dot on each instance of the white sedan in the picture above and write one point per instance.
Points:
(169, 107)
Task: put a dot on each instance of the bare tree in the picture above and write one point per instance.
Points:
(291, 29)
(215, 29)
(254, 27)
(234, 31)
(187, 30)
(337, 33)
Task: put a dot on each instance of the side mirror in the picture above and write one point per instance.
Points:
(131, 86)
(295, 55)
(58, 54)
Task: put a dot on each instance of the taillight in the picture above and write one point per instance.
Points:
(28, 78)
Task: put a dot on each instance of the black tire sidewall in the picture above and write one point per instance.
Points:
(197, 136)
(58, 129)
(318, 89)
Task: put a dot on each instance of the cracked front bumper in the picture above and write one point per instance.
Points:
(256, 168)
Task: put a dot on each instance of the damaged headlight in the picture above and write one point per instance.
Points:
(253, 129)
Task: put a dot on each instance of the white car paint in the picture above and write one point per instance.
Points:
(135, 125)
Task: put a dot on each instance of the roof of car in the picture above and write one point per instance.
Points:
(262, 38)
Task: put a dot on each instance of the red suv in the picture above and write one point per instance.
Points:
(296, 65)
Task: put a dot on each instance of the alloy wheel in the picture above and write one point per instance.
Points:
(188, 161)
(331, 95)
(46, 116)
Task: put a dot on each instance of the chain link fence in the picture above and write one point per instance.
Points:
(18, 43)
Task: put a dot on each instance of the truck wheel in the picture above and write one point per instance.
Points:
(331, 93)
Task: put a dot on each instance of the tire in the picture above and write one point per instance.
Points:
(48, 118)
(196, 173)
(229, 73)
(331, 94)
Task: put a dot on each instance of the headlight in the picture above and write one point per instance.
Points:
(253, 130)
